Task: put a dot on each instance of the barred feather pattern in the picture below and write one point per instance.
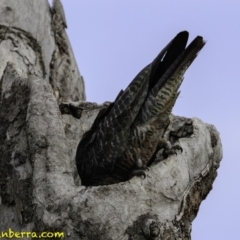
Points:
(104, 144)
(132, 126)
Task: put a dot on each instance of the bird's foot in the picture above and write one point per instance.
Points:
(169, 149)
(140, 169)
(139, 173)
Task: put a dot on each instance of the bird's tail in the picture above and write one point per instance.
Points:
(162, 96)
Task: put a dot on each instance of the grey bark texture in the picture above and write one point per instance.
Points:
(39, 187)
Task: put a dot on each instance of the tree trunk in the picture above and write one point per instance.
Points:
(39, 186)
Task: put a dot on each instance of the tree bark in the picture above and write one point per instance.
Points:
(39, 186)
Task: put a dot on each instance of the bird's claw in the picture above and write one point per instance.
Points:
(177, 147)
(139, 173)
(140, 169)
(171, 150)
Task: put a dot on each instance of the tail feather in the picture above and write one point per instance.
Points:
(169, 83)
(166, 57)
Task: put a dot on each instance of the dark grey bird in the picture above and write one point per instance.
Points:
(125, 136)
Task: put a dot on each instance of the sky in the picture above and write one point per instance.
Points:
(113, 40)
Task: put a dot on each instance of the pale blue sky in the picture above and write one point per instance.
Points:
(114, 40)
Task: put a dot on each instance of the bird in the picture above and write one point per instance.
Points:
(125, 136)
